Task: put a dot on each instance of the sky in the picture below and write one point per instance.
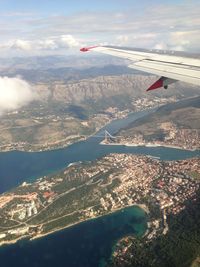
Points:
(49, 27)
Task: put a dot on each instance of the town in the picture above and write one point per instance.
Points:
(87, 190)
(72, 130)
(175, 137)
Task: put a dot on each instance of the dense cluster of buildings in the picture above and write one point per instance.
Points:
(118, 180)
(146, 103)
(143, 179)
(185, 138)
(173, 137)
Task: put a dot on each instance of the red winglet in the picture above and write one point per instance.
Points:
(157, 84)
(86, 49)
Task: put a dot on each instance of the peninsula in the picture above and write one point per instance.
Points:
(87, 190)
(174, 125)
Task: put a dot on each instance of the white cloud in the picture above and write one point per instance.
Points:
(14, 93)
(161, 46)
(49, 44)
(178, 40)
(171, 26)
(22, 45)
(123, 39)
(68, 41)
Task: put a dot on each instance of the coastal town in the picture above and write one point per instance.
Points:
(84, 191)
(174, 137)
(66, 135)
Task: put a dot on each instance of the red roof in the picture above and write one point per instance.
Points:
(48, 194)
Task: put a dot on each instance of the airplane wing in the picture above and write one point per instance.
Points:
(170, 67)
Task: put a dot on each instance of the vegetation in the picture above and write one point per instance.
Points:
(151, 128)
(179, 248)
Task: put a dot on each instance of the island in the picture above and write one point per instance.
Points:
(84, 191)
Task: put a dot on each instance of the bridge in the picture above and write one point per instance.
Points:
(108, 137)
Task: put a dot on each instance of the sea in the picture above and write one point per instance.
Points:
(90, 243)
(87, 244)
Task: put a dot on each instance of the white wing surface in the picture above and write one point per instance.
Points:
(170, 67)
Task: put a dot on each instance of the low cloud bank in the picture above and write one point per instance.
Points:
(61, 42)
(14, 93)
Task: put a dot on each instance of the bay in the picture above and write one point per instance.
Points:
(17, 167)
(88, 244)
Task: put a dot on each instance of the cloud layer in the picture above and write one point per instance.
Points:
(14, 93)
(160, 25)
(63, 42)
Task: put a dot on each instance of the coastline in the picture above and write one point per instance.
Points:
(52, 148)
(150, 145)
(80, 137)
(141, 206)
(14, 241)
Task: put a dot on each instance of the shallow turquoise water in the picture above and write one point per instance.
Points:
(88, 244)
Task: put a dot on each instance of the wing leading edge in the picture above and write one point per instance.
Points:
(170, 67)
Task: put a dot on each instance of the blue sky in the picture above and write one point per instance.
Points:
(49, 6)
(61, 6)
(57, 27)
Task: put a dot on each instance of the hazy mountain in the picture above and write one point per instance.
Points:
(67, 73)
(54, 62)
(131, 86)
(76, 101)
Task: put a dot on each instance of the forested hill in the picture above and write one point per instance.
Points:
(181, 113)
(180, 247)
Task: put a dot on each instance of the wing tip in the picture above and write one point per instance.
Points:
(86, 49)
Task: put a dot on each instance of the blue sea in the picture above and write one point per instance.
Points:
(16, 166)
(88, 244)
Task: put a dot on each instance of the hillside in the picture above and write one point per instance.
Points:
(70, 108)
(176, 124)
(184, 113)
(179, 247)
(102, 87)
